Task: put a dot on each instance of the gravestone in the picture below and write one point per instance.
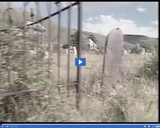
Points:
(112, 64)
(112, 77)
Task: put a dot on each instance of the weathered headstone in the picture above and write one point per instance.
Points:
(112, 64)
(112, 76)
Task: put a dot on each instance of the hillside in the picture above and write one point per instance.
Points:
(130, 40)
(19, 16)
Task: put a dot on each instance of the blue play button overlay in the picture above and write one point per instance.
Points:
(80, 61)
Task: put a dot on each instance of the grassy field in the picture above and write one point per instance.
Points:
(139, 96)
(136, 101)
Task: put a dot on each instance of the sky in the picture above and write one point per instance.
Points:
(140, 18)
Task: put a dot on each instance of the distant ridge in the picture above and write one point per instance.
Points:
(130, 40)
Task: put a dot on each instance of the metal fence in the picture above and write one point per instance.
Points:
(16, 56)
(11, 24)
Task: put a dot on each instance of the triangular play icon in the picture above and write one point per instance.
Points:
(80, 61)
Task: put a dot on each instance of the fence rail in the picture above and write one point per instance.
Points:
(25, 45)
(27, 57)
(45, 18)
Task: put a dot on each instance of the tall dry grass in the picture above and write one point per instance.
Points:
(135, 101)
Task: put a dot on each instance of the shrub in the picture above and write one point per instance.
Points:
(150, 69)
(137, 49)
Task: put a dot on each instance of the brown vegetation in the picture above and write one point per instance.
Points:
(138, 101)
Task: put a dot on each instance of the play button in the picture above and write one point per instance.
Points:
(80, 61)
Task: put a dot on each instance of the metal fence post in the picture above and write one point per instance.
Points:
(78, 96)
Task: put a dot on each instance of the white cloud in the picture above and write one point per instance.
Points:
(107, 23)
(155, 22)
(141, 9)
(90, 19)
